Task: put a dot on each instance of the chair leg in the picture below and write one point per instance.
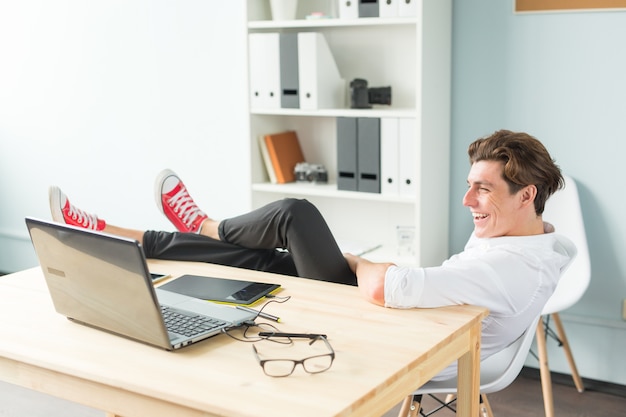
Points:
(485, 407)
(546, 380)
(410, 406)
(568, 353)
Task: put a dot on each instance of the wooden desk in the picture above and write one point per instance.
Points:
(382, 355)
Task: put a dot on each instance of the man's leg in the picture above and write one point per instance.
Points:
(297, 226)
(291, 224)
(198, 248)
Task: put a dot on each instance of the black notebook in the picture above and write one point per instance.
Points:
(221, 290)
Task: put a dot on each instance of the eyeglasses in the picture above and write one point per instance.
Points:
(284, 367)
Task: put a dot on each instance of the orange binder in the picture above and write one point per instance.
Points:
(284, 152)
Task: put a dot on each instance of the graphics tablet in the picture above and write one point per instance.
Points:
(221, 290)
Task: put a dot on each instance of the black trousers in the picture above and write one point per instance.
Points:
(288, 236)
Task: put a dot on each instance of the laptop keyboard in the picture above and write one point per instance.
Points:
(188, 325)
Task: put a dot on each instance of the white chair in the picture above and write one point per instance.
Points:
(496, 373)
(564, 213)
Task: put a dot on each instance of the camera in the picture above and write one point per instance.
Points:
(362, 97)
(306, 172)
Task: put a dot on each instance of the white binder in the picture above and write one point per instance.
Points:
(407, 8)
(264, 66)
(388, 8)
(321, 85)
(408, 156)
(348, 9)
(389, 156)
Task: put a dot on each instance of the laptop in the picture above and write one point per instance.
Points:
(103, 281)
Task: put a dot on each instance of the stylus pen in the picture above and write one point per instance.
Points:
(259, 313)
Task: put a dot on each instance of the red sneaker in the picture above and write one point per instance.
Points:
(175, 202)
(64, 212)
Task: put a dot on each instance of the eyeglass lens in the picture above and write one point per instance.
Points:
(284, 367)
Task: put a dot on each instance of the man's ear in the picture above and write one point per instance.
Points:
(528, 194)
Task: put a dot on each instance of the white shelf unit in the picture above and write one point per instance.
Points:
(410, 54)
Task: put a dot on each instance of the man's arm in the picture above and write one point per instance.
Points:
(370, 277)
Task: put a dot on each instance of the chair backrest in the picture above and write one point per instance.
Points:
(564, 213)
(500, 369)
(497, 371)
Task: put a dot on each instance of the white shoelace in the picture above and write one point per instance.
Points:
(89, 221)
(184, 206)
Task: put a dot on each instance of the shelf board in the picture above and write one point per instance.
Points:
(324, 23)
(328, 190)
(389, 253)
(373, 112)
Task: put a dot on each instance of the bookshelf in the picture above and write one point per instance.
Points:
(410, 54)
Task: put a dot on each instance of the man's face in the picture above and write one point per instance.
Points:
(496, 211)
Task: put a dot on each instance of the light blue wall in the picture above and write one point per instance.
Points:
(562, 78)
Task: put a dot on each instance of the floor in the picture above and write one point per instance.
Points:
(522, 398)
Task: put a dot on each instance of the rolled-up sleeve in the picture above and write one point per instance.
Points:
(403, 287)
(472, 281)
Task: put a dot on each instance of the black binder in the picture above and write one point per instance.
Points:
(368, 155)
(346, 153)
(289, 80)
(368, 8)
(358, 154)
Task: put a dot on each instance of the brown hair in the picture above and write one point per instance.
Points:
(525, 161)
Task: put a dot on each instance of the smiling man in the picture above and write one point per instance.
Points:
(513, 260)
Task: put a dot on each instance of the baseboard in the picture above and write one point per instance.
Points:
(566, 379)
(16, 252)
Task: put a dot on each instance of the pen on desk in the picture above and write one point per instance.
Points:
(259, 313)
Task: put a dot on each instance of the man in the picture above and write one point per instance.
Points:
(510, 265)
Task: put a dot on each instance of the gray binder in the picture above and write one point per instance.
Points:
(368, 155)
(368, 8)
(289, 81)
(346, 153)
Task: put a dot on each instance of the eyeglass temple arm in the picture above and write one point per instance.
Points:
(301, 335)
